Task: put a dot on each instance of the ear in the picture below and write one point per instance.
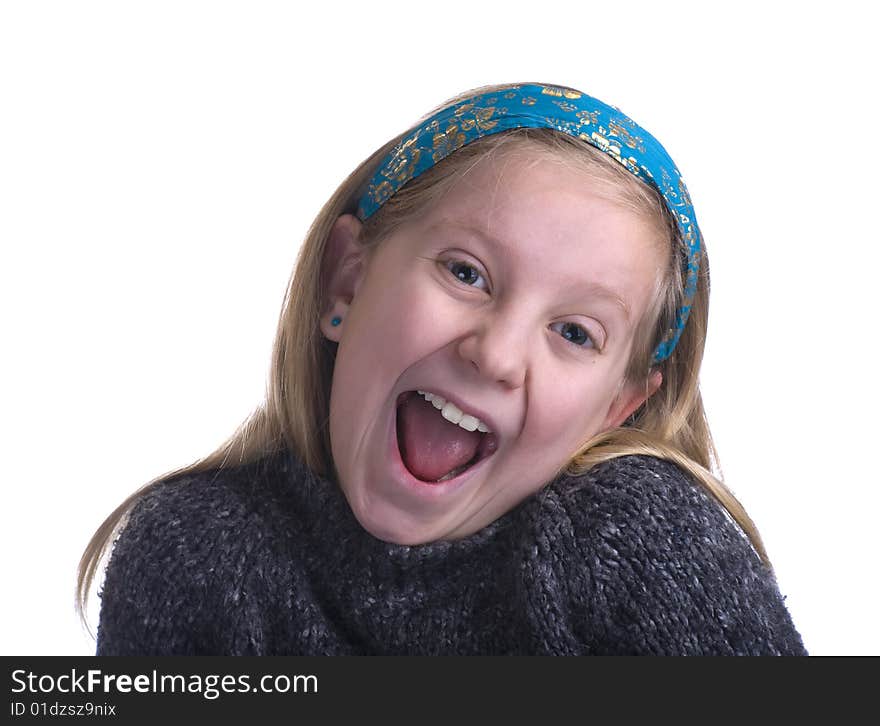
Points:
(630, 397)
(342, 271)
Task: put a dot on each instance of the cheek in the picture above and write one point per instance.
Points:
(565, 412)
(405, 317)
(394, 320)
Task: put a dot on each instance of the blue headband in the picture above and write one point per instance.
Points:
(563, 109)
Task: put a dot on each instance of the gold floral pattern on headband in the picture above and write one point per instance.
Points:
(445, 142)
(667, 188)
(565, 125)
(567, 107)
(405, 157)
(561, 91)
(482, 118)
(399, 169)
(600, 140)
(470, 117)
(683, 193)
(618, 128)
(587, 117)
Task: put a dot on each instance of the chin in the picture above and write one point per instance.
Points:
(390, 526)
(394, 534)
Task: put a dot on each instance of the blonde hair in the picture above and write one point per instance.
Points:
(294, 415)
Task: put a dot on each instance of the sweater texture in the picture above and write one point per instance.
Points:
(268, 559)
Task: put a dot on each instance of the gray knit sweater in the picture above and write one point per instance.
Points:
(267, 559)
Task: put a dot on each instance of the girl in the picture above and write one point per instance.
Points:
(483, 432)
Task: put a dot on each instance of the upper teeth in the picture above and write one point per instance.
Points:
(453, 413)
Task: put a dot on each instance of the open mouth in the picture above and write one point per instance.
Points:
(433, 449)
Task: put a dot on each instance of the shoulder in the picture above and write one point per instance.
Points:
(654, 564)
(181, 561)
(199, 514)
(184, 509)
(645, 503)
(634, 504)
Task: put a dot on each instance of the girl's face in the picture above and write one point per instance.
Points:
(516, 297)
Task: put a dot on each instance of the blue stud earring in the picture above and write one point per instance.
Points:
(335, 321)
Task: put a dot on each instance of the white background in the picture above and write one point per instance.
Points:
(160, 163)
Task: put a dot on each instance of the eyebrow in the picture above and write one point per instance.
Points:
(594, 289)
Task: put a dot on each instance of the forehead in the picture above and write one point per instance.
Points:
(533, 194)
(501, 168)
(515, 175)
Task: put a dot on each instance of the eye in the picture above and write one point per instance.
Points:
(465, 273)
(575, 334)
(469, 275)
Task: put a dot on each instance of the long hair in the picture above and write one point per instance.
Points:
(295, 412)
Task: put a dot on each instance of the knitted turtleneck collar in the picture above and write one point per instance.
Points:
(381, 588)
(325, 510)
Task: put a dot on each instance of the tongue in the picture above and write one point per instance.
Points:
(430, 445)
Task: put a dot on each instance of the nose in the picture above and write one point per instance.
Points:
(497, 348)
